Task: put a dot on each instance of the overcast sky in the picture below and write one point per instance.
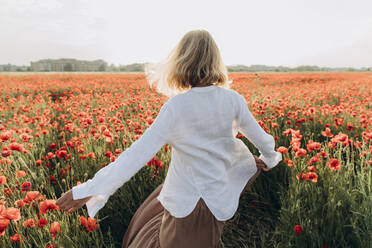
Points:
(272, 32)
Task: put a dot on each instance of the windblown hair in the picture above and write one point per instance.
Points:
(195, 61)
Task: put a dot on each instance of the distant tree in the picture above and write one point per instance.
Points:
(137, 67)
(102, 67)
(67, 67)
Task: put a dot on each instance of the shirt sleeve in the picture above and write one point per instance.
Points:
(111, 177)
(264, 142)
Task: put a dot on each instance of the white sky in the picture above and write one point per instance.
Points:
(272, 32)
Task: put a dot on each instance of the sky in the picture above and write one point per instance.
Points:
(332, 33)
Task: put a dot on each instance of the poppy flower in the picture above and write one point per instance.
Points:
(31, 196)
(2, 180)
(42, 222)
(83, 221)
(26, 186)
(29, 223)
(12, 214)
(311, 146)
(3, 225)
(20, 173)
(55, 228)
(301, 152)
(282, 150)
(327, 133)
(14, 146)
(5, 135)
(47, 205)
(289, 162)
(16, 238)
(333, 164)
(297, 229)
(5, 153)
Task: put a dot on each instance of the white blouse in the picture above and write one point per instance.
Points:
(208, 161)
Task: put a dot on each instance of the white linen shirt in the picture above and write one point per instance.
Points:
(208, 161)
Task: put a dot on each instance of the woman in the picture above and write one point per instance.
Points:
(210, 168)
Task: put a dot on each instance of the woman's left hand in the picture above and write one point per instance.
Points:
(68, 204)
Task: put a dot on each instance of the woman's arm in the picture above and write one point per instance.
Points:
(250, 128)
(108, 179)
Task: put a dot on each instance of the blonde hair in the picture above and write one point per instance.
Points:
(196, 60)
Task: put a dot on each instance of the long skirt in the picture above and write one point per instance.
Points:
(152, 226)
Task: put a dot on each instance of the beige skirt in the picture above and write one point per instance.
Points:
(152, 226)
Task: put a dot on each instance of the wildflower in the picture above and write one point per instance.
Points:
(350, 126)
(11, 214)
(6, 135)
(14, 146)
(83, 221)
(42, 222)
(90, 224)
(301, 152)
(47, 205)
(20, 173)
(322, 153)
(327, 133)
(312, 176)
(53, 146)
(311, 168)
(313, 160)
(282, 150)
(26, 186)
(61, 153)
(29, 223)
(288, 162)
(108, 153)
(3, 225)
(5, 153)
(166, 148)
(31, 196)
(313, 146)
(333, 164)
(19, 203)
(298, 229)
(239, 135)
(16, 238)
(2, 180)
(55, 228)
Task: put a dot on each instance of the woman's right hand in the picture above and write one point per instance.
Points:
(261, 164)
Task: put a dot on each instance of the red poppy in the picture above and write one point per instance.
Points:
(282, 150)
(29, 223)
(20, 173)
(16, 238)
(42, 222)
(333, 163)
(55, 228)
(298, 229)
(327, 133)
(26, 186)
(2, 180)
(11, 214)
(301, 152)
(47, 205)
(3, 225)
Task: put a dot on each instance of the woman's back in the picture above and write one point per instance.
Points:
(203, 124)
(207, 160)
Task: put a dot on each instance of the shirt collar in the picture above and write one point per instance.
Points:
(203, 89)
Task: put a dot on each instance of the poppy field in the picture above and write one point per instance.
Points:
(58, 130)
